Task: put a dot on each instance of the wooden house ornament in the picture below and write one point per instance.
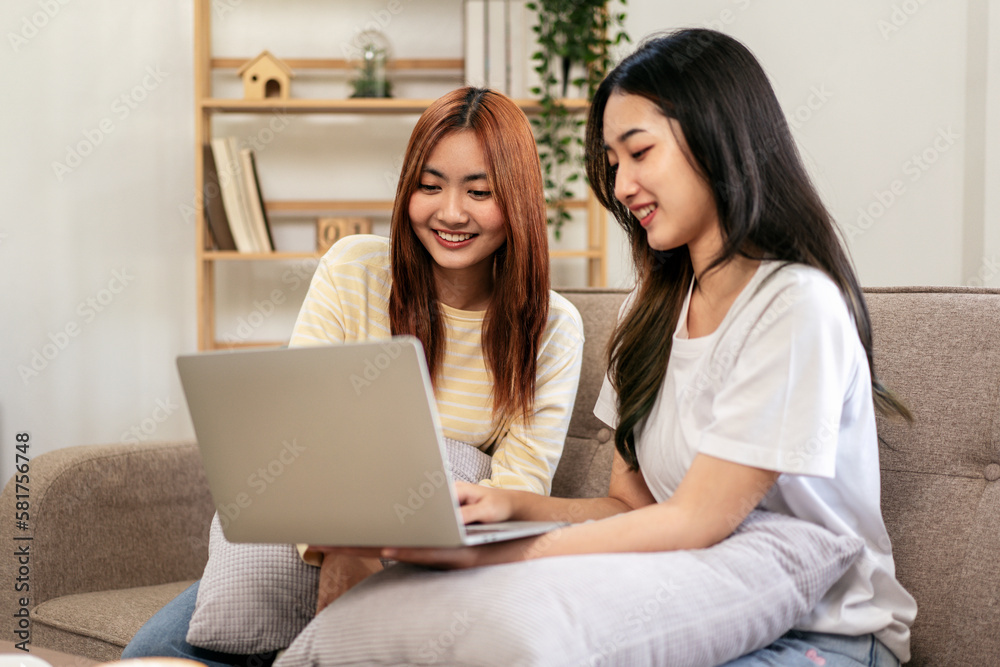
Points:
(265, 77)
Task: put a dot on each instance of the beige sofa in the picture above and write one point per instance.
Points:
(118, 530)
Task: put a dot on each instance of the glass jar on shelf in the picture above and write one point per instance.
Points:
(372, 61)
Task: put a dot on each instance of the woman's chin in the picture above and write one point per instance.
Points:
(662, 245)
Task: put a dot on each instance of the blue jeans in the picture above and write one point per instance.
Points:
(164, 635)
(815, 649)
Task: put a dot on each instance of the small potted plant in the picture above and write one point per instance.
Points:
(374, 53)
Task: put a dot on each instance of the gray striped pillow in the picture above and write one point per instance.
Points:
(682, 608)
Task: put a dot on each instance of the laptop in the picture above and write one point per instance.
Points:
(329, 445)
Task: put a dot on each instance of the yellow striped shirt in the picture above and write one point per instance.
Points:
(348, 301)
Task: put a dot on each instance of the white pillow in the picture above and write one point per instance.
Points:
(256, 598)
(683, 608)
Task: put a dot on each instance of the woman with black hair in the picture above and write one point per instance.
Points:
(740, 371)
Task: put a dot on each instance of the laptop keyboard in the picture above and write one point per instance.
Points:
(484, 529)
(487, 528)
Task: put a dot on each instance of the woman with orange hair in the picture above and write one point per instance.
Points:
(465, 270)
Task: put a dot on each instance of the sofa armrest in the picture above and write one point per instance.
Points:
(105, 517)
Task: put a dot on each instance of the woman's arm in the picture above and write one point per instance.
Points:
(711, 501)
(627, 491)
(529, 450)
(347, 296)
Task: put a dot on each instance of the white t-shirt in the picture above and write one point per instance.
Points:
(783, 384)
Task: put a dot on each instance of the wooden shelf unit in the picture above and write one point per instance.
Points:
(350, 105)
(207, 106)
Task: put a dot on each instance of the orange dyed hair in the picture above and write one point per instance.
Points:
(519, 307)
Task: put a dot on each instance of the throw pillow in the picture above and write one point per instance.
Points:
(255, 598)
(683, 608)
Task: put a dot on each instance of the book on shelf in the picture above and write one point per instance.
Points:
(211, 197)
(241, 198)
(230, 183)
(499, 42)
(522, 44)
(497, 45)
(475, 43)
(487, 44)
(259, 223)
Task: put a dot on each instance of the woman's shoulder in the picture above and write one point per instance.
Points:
(564, 318)
(358, 249)
(803, 284)
(797, 291)
(777, 275)
(359, 264)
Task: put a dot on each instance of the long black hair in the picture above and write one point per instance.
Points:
(739, 141)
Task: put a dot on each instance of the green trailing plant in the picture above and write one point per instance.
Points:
(571, 35)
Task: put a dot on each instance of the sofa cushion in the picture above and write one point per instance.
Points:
(585, 467)
(701, 607)
(938, 348)
(599, 311)
(99, 624)
(93, 513)
(586, 470)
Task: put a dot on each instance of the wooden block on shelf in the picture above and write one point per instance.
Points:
(330, 230)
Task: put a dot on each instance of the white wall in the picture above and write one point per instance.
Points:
(878, 97)
(97, 265)
(991, 142)
(97, 259)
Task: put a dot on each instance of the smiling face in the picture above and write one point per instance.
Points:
(655, 179)
(453, 211)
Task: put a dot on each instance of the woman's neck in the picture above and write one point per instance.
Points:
(715, 291)
(465, 289)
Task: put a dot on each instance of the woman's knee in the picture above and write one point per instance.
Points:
(165, 633)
